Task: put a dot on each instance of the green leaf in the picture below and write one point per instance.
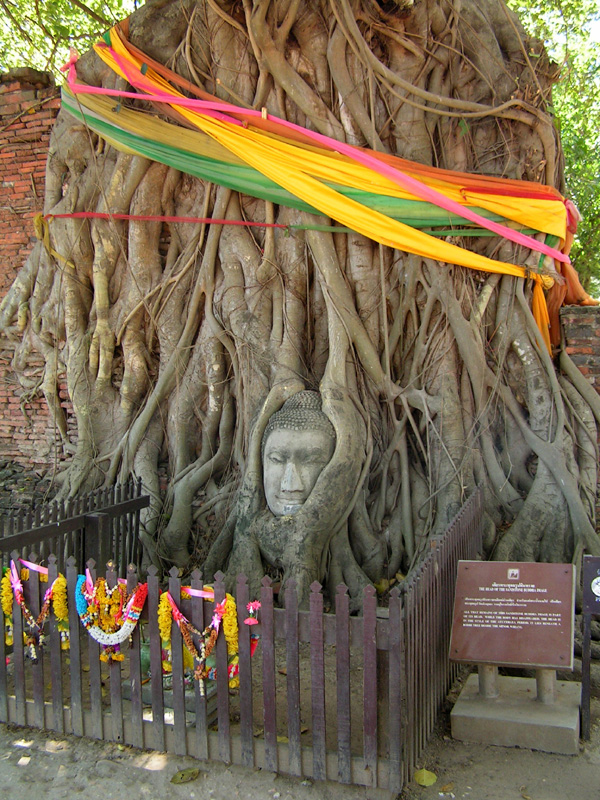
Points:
(425, 778)
(185, 775)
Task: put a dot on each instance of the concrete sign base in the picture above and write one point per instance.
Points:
(515, 717)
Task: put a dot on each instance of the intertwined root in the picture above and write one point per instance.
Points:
(173, 336)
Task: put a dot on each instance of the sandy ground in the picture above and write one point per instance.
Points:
(485, 772)
(67, 767)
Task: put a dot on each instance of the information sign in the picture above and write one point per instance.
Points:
(514, 614)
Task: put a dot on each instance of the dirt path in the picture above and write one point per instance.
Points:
(480, 772)
(67, 767)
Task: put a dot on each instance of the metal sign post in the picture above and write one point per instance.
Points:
(591, 607)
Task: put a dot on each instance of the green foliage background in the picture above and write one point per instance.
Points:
(39, 33)
(567, 27)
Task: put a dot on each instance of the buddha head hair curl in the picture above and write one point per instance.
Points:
(300, 412)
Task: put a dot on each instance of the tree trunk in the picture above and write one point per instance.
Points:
(181, 340)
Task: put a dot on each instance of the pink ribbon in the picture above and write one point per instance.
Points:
(15, 579)
(177, 615)
(416, 187)
(89, 583)
(34, 567)
(207, 595)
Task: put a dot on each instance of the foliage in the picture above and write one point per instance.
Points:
(566, 28)
(39, 34)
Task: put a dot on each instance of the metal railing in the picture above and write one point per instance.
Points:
(102, 525)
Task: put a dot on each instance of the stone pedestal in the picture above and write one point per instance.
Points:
(540, 714)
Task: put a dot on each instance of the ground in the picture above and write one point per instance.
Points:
(66, 766)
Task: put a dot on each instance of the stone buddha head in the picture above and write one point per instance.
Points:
(298, 442)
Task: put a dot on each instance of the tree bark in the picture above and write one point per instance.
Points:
(181, 340)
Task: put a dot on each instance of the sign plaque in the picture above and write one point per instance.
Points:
(514, 614)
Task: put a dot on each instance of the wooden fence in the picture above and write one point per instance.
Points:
(326, 696)
(102, 525)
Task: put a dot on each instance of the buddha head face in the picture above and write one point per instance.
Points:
(298, 442)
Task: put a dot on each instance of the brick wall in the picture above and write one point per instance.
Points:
(581, 328)
(29, 103)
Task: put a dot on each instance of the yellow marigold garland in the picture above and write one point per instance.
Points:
(6, 594)
(6, 598)
(61, 610)
(25, 575)
(59, 599)
(228, 621)
(11, 590)
(230, 626)
(164, 618)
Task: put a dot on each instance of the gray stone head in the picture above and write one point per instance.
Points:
(298, 442)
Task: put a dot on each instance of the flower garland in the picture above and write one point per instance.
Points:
(6, 598)
(108, 615)
(201, 660)
(11, 588)
(225, 615)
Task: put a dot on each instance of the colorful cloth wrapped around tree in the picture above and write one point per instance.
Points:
(401, 204)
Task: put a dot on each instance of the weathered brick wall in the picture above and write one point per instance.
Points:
(581, 327)
(29, 103)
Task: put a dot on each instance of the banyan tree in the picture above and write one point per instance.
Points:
(354, 200)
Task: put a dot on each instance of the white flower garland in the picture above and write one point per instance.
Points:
(132, 614)
(110, 639)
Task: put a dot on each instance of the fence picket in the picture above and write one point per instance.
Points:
(156, 680)
(74, 651)
(40, 515)
(114, 671)
(197, 620)
(56, 685)
(317, 677)
(222, 680)
(293, 679)
(411, 669)
(177, 677)
(95, 674)
(136, 555)
(245, 675)
(18, 655)
(135, 671)
(370, 682)
(70, 539)
(395, 693)
(342, 650)
(420, 661)
(3, 671)
(268, 669)
(31, 590)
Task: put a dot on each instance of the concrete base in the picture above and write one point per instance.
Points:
(516, 719)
